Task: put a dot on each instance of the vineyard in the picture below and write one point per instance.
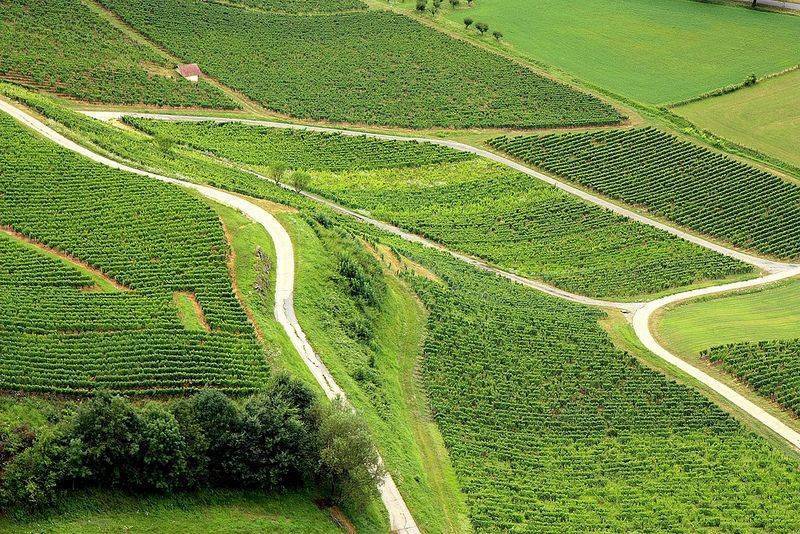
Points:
(64, 47)
(681, 181)
(386, 69)
(304, 6)
(772, 368)
(551, 429)
(150, 237)
(262, 146)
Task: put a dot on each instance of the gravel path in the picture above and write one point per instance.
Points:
(400, 517)
(639, 314)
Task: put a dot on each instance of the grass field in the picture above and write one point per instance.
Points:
(770, 313)
(764, 117)
(662, 51)
(384, 69)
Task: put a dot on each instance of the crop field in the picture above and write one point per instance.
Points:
(772, 368)
(262, 146)
(675, 179)
(764, 117)
(150, 237)
(384, 69)
(478, 207)
(654, 52)
(65, 47)
(551, 429)
(303, 6)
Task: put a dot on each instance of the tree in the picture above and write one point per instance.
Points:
(454, 3)
(482, 27)
(497, 35)
(469, 3)
(162, 451)
(437, 4)
(467, 22)
(277, 172)
(300, 180)
(422, 5)
(349, 469)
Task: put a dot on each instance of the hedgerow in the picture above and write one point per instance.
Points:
(552, 429)
(65, 47)
(370, 67)
(772, 368)
(298, 149)
(149, 236)
(691, 185)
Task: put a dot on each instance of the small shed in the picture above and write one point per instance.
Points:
(190, 71)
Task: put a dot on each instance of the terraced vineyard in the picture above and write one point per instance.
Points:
(151, 237)
(386, 69)
(706, 191)
(551, 429)
(65, 47)
(772, 368)
(303, 6)
(475, 206)
(255, 145)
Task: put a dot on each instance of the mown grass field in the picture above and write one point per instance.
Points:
(764, 117)
(654, 52)
(770, 313)
(371, 67)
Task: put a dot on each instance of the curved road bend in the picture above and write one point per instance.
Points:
(400, 517)
(762, 263)
(639, 313)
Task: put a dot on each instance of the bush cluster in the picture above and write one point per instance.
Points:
(279, 438)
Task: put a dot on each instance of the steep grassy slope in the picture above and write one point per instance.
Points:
(65, 47)
(368, 67)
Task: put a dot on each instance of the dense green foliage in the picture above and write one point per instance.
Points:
(304, 6)
(299, 149)
(149, 236)
(370, 67)
(551, 429)
(65, 47)
(478, 207)
(278, 438)
(772, 368)
(693, 186)
(23, 266)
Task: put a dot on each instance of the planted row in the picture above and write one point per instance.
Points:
(370, 67)
(691, 185)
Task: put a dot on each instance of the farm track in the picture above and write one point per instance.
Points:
(400, 517)
(639, 314)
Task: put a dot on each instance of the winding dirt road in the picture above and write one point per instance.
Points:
(640, 314)
(400, 517)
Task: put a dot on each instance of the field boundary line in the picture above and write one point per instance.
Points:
(400, 517)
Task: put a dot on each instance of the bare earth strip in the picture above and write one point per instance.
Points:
(399, 516)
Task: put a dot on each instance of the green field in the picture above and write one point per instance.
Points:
(303, 6)
(696, 187)
(478, 207)
(65, 47)
(764, 117)
(387, 68)
(652, 51)
(770, 313)
(150, 237)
